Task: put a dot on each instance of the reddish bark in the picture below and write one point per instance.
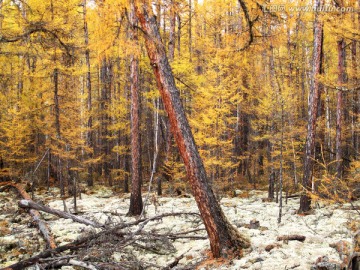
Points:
(223, 236)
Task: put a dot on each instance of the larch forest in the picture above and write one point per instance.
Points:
(208, 103)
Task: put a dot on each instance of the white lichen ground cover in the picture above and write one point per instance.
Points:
(328, 225)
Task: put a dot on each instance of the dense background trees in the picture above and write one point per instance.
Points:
(244, 74)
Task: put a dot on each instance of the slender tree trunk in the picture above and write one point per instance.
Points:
(48, 170)
(155, 150)
(281, 162)
(106, 81)
(223, 236)
(294, 163)
(328, 124)
(354, 117)
(273, 191)
(57, 127)
(172, 30)
(236, 142)
(165, 171)
(136, 204)
(314, 96)
(56, 103)
(127, 155)
(302, 82)
(127, 170)
(178, 34)
(190, 30)
(339, 108)
(89, 134)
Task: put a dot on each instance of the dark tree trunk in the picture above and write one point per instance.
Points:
(270, 159)
(355, 105)
(236, 141)
(314, 96)
(56, 103)
(223, 236)
(127, 170)
(244, 143)
(165, 170)
(339, 108)
(89, 135)
(136, 203)
(159, 186)
(106, 82)
(57, 127)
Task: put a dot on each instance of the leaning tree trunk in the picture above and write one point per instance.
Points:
(223, 236)
(314, 96)
(136, 204)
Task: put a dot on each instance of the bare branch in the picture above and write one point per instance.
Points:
(36, 28)
(250, 24)
(34, 205)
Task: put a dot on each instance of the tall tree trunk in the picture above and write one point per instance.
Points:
(57, 127)
(223, 236)
(89, 134)
(339, 107)
(356, 97)
(136, 203)
(106, 82)
(314, 96)
(272, 177)
(156, 103)
(355, 100)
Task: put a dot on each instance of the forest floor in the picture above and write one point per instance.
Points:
(323, 229)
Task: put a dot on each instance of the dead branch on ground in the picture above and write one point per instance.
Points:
(42, 226)
(95, 239)
(33, 205)
(296, 237)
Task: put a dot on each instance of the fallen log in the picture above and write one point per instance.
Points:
(33, 205)
(295, 237)
(42, 226)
